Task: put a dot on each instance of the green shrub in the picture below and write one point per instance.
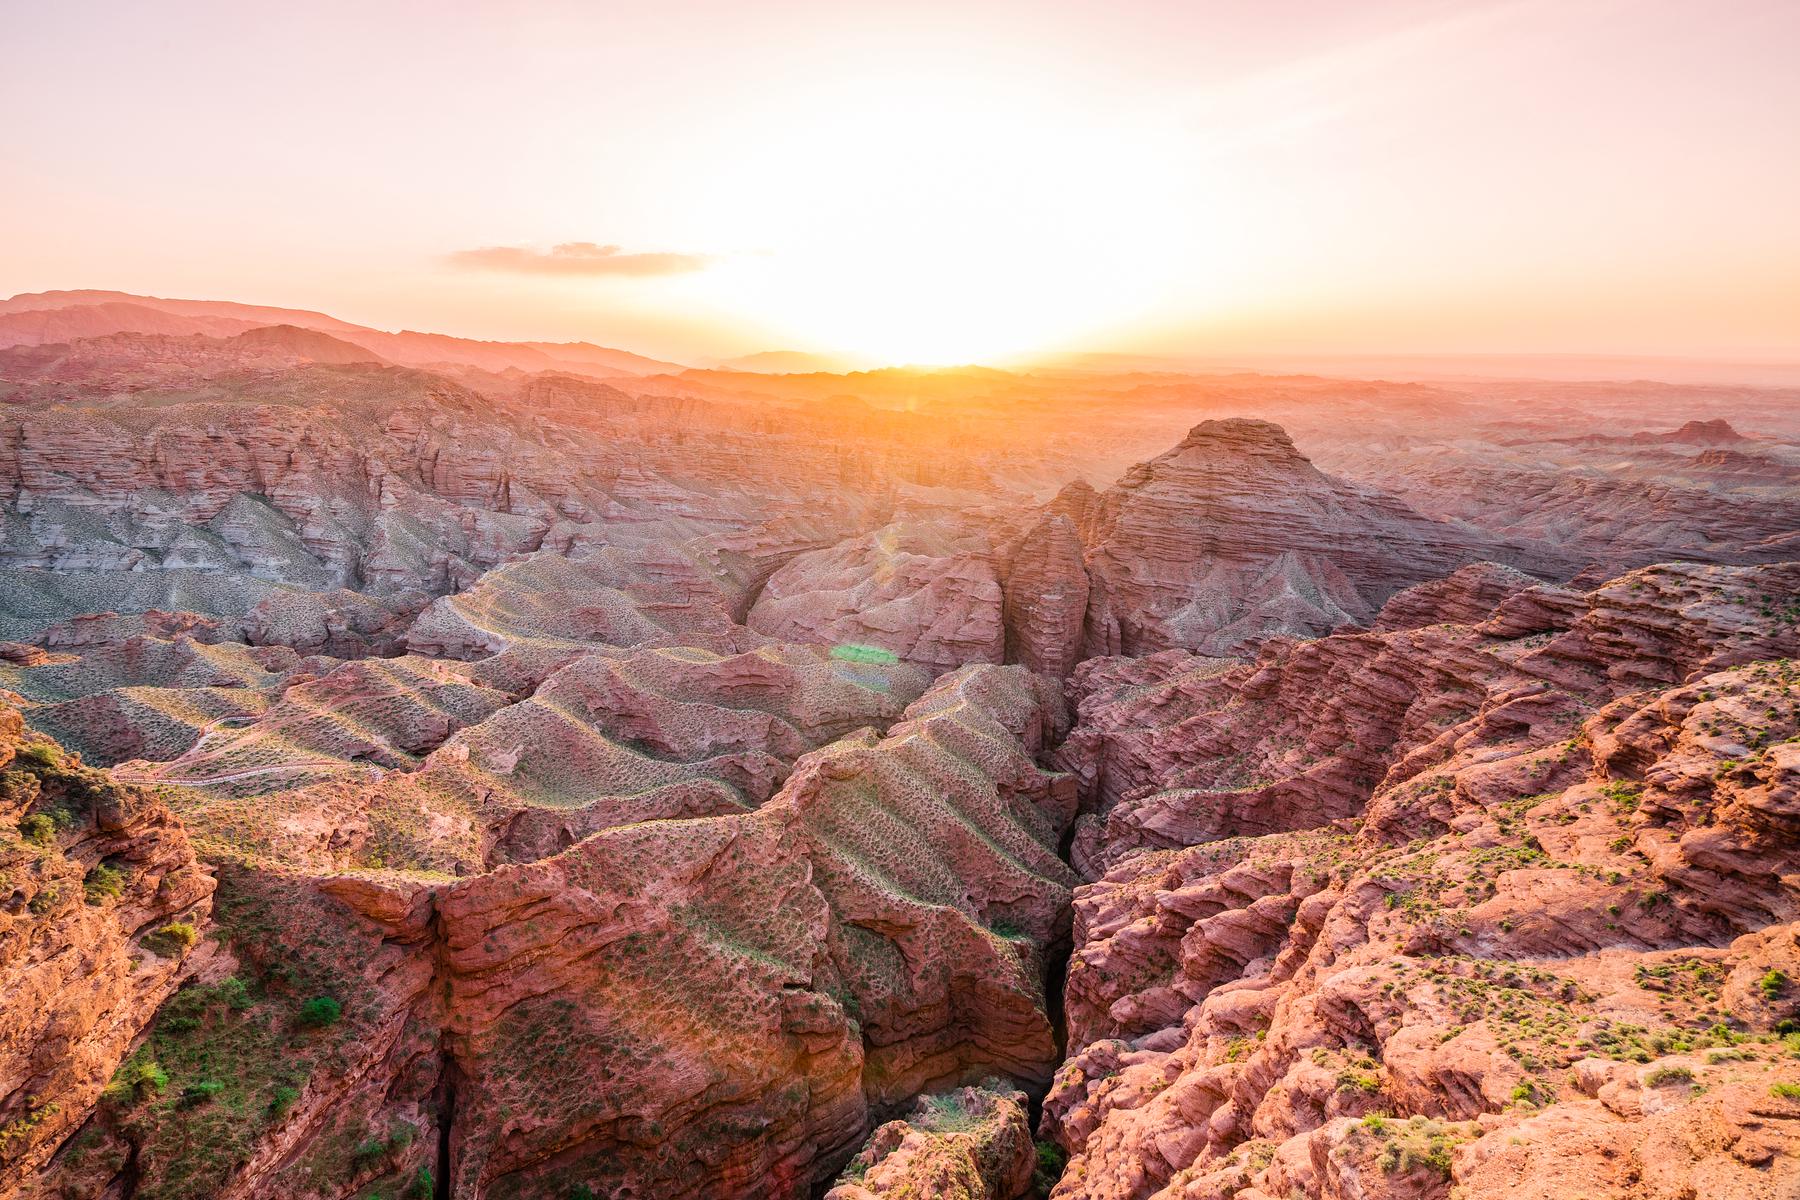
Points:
(1785, 1091)
(282, 1099)
(172, 939)
(1773, 985)
(39, 756)
(235, 993)
(103, 883)
(1663, 1076)
(423, 1186)
(399, 1137)
(38, 829)
(320, 1012)
(195, 1094)
(18, 1130)
(946, 1114)
(136, 1080)
(1050, 1163)
(1418, 1144)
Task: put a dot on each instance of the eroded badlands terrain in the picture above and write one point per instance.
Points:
(434, 768)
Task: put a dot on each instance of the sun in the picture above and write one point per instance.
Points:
(915, 221)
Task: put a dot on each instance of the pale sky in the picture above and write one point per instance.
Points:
(929, 181)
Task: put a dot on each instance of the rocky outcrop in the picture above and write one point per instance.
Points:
(101, 901)
(970, 1144)
(330, 476)
(1465, 596)
(543, 611)
(343, 624)
(1616, 524)
(1233, 535)
(926, 592)
(302, 1053)
(1045, 597)
(1717, 431)
(608, 741)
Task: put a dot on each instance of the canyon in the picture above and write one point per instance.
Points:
(434, 768)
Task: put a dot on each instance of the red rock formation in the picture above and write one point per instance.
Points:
(924, 591)
(1617, 523)
(1555, 950)
(970, 1144)
(1465, 596)
(549, 608)
(1704, 433)
(1233, 535)
(833, 958)
(1045, 597)
(608, 741)
(100, 898)
(1303, 735)
(749, 986)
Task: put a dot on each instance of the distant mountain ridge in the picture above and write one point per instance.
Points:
(41, 318)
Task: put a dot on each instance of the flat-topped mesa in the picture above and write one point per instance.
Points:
(1700, 432)
(1234, 535)
(1244, 435)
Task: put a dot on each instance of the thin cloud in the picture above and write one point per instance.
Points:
(578, 258)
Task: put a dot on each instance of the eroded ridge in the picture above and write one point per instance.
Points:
(1471, 909)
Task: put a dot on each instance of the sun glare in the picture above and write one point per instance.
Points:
(911, 223)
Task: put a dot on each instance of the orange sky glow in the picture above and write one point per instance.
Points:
(930, 182)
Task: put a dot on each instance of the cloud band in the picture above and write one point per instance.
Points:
(578, 258)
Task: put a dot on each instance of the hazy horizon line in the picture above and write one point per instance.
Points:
(1770, 367)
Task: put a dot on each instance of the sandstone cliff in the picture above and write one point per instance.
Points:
(102, 903)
